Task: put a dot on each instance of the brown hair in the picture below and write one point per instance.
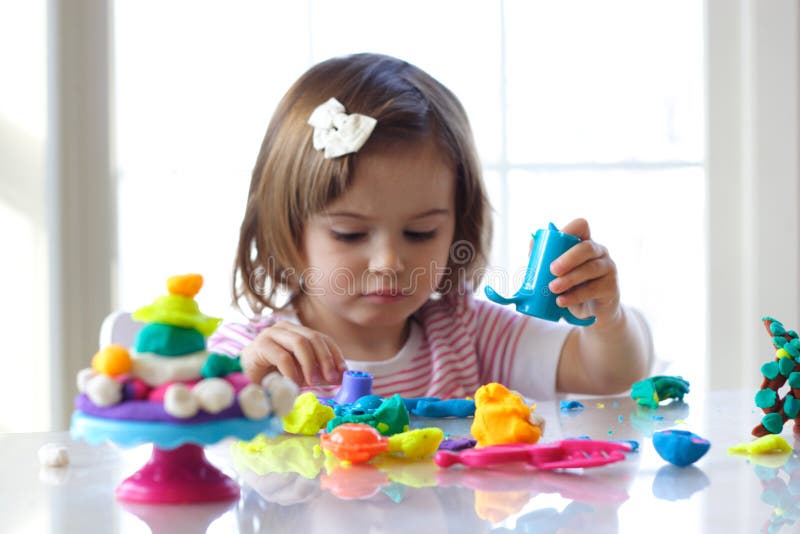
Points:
(292, 181)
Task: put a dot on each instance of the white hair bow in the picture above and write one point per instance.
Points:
(337, 132)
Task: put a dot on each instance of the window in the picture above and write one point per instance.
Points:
(579, 108)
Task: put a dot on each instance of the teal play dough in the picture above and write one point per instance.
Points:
(791, 406)
(766, 398)
(773, 422)
(770, 370)
(776, 328)
(168, 340)
(786, 366)
(220, 365)
(651, 391)
(794, 380)
(793, 348)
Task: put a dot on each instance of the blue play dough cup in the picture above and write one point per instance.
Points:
(534, 297)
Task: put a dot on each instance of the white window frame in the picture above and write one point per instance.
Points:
(80, 199)
(753, 173)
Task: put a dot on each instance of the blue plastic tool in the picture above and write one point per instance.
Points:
(534, 297)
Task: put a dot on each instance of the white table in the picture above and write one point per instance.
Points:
(720, 493)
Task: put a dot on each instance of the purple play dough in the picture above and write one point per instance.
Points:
(457, 444)
(141, 410)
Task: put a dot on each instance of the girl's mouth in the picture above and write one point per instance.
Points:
(385, 295)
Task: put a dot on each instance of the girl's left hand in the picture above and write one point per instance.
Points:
(586, 277)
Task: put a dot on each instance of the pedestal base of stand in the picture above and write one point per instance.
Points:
(180, 475)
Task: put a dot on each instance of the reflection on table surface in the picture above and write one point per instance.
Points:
(288, 485)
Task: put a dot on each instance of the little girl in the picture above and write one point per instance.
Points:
(367, 225)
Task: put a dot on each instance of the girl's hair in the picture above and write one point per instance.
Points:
(292, 181)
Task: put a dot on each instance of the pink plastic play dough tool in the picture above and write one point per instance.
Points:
(566, 454)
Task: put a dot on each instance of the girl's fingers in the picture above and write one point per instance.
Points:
(586, 272)
(303, 351)
(601, 290)
(299, 353)
(327, 361)
(579, 228)
(577, 255)
(264, 356)
(338, 357)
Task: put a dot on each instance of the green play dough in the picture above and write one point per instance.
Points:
(168, 340)
(389, 419)
(773, 422)
(765, 398)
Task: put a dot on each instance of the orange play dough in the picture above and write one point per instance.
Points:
(185, 285)
(112, 360)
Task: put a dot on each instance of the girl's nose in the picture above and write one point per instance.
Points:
(386, 258)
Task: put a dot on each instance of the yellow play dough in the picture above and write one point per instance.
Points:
(416, 444)
(501, 417)
(308, 416)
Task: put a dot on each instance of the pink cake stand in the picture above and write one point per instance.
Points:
(178, 471)
(179, 475)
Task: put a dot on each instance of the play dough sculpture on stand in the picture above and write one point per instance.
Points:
(169, 391)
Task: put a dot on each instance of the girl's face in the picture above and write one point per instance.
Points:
(376, 253)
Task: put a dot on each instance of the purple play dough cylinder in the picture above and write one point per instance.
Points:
(355, 384)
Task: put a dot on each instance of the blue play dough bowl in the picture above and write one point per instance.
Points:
(680, 447)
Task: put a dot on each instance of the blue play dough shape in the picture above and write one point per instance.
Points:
(567, 405)
(445, 408)
(680, 447)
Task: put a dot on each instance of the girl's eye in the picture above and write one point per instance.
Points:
(420, 236)
(348, 237)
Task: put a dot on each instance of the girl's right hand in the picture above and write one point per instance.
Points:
(307, 357)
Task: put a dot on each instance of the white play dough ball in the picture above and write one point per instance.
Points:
(103, 390)
(84, 375)
(157, 370)
(179, 401)
(53, 455)
(282, 392)
(254, 402)
(213, 394)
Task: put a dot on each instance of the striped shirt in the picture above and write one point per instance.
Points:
(455, 345)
